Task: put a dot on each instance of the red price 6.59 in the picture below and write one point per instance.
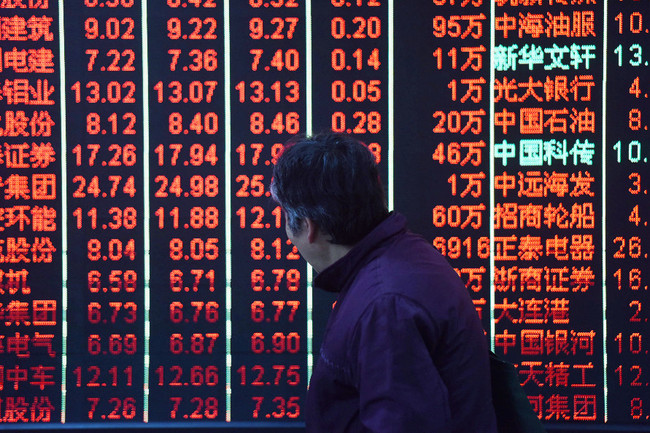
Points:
(117, 280)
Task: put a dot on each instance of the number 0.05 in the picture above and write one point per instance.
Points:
(359, 91)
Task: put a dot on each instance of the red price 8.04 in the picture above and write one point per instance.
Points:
(122, 155)
(113, 250)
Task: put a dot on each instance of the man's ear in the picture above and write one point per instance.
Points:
(312, 230)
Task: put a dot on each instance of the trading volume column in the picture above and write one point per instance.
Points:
(105, 208)
(628, 212)
(30, 214)
(269, 333)
(188, 340)
(445, 147)
(547, 121)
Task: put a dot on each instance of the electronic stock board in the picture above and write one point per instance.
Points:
(145, 277)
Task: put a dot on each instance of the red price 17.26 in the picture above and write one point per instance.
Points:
(113, 250)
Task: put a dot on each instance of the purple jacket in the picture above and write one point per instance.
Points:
(403, 350)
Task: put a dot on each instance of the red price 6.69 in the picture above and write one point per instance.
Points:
(116, 344)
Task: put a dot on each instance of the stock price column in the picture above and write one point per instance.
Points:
(269, 337)
(350, 89)
(30, 215)
(446, 145)
(547, 186)
(351, 46)
(104, 203)
(628, 212)
(187, 363)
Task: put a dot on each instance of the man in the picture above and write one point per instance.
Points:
(403, 350)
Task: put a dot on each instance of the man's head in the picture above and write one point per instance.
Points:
(332, 180)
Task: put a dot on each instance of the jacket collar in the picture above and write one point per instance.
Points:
(337, 276)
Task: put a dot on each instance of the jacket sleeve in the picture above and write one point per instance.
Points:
(400, 388)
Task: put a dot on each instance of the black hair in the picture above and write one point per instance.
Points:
(332, 179)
